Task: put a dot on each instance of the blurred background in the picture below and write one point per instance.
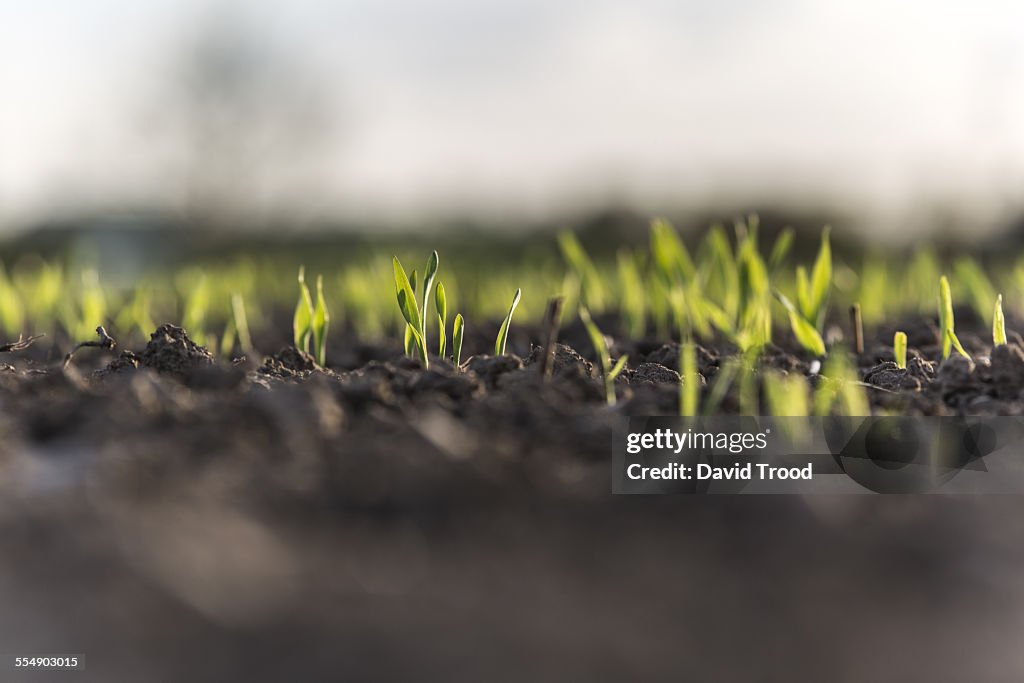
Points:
(888, 120)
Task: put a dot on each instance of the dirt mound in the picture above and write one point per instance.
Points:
(289, 363)
(171, 351)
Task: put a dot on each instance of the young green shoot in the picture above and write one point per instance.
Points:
(429, 273)
(949, 338)
(783, 243)
(499, 343)
(441, 306)
(998, 323)
(587, 280)
(407, 305)
(689, 386)
(457, 330)
(608, 371)
(320, 322)
(841, 386)
(241, 324)
(804, 331)
(786, 394)
(813, 293)
(899, 349)
(302, 322)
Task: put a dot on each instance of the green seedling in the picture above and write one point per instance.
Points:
(320, 322)
(407, 305)
(415, 312)
(786, 394)
(971, 277)
(241, 323)
(749, 399)
(93, 304)
(429, 273)
(805, 333)
(689, 386)
(998, 323)
(899, 349)
(499, 343)
(781, 248)
(441, 306)
(12, 311)
(949, 338)
(631, 286)
(302, 321)
(841, 389)
(227, 340)
(458, 328)
(587, 280)
(813, 293)
(669, 254)
(608, 371)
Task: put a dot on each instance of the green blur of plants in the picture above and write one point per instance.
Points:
(718, 288)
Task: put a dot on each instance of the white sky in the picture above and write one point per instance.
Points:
(519, 107)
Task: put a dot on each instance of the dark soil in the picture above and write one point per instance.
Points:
(174, 518)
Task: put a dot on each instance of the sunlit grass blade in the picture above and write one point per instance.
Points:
(407, 305)
(227, 340)
(821, 281)
(632, 296)
(749, 399)
(787, 396)
(241, 322)
(619, 366)
(998, 323)
(841, 385)
(976, 284)
(689, 385)
(669, 252)
(781, 248)
(500, 342)
(899, 349)
(608, 372)
(302, 321)
(320, 323)
(803, 292)
(457, 330)
(946, 324)
(441, 306)
(805, 334)
(588, 281)
(407, 295)
(429, 273)
(723, 382)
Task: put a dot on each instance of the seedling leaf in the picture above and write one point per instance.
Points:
(499, 343)
(821, 281)
(303, 319)
(783, 243)
(946, 324)
(998, 323)
(899, 349)
(459, 325)
(321, 321)
(689, 389)
(428, 282)
(804, 332)
(618, 367)
(406, 293)
(441, 306)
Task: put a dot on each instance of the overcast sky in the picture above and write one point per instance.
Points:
(398, 108)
